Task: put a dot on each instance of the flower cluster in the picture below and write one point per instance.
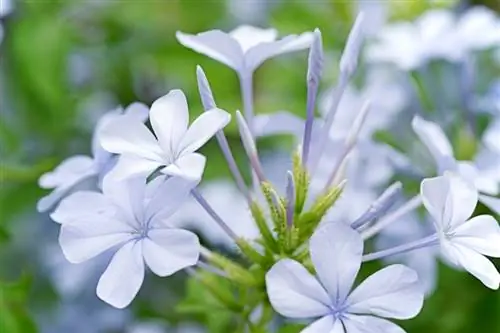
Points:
(300, 245)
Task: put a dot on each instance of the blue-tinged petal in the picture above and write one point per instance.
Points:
(169, 118)
(248, 36)
(327, 324)
(369, 324)
(278, 123)
(167, 251)
(393, 292)
(83, 204)
(491, 202)
(215, 44)
(294, 292)
(121, 281)
(336, 251)
(189, 167)
(481, 234)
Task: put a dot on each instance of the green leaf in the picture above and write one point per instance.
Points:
(14, 317)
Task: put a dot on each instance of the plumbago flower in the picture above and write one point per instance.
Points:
(464, 240)
(244, 48)
(172, 147)
(483, 174)
(437, 34)
(76, 169)
(336, 252)
(134, 217)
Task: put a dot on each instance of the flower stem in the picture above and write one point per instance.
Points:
(428, 241)
(201, 200)
(410, 205)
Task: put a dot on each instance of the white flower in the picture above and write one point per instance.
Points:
(437, 34)
(464, 242)
(78, 168)
(245, 48)
(483, 175)
(136, 221)
(173, 145)
(336, 251)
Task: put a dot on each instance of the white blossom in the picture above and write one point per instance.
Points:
(173, 145)
(244, 48)
(131, 218)
(336, 251)
(464, 241)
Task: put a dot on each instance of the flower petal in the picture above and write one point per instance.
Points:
(248, 36)
(167, 198)
(481, 234)
(86, 238)
(473, 262)
(392, 292)
(491, 202)
(129, 136)
(449, 200)
(80, 205)
(137, 111)
(133, 166)
(202, 129)
(433, 137)
(167, 251)
(189, 167)
(327, 324)
(336, 251)
(169, 118)
(123, 278)
(71, 170)
(277, 123)
(294, 292)
(364, 324)
(260, 53)
(215, 44)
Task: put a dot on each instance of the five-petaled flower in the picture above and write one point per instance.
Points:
(134, 217)
(336, 251)
(172, 150)
(464, 242)
(245, 48)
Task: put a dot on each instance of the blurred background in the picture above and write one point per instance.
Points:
(65, 63)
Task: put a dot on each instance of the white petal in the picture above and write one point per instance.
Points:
(169, 118)
(125, 135)
(132, 166)
(294, 292)
(71, 170)
(128, 195)
(138, 111)
(80, 205)
(215, 44)
(202, 129)
(475, 263)
(481, 234)
(260, 53)
(392, 292)
(167, 251)
(369, 324)
(248, 36)
(277, 123)
(336, 251)
(433, 137)
(123, 278)
(189, 167)
(449, 199)
(167, 198)
(85, 238)
(327, 324)
(50, 200)
(491, 202)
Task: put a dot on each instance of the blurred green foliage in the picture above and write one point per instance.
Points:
(130, 53)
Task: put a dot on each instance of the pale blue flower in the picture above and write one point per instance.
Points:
(172, 148)
(464, 241)
(134, 219)
(336, 252)
(244, 48)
